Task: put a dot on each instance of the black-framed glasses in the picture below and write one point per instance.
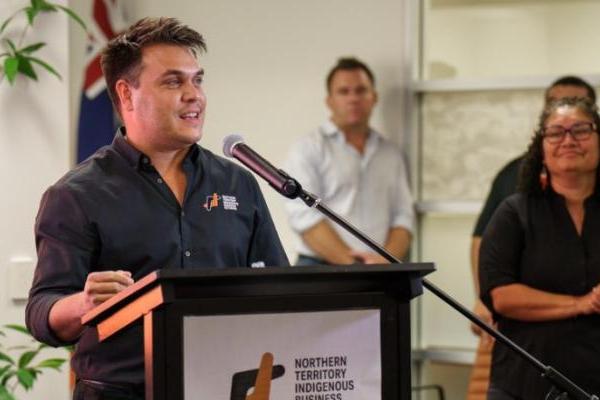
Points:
(580, 131)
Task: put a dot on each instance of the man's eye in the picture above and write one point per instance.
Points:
(172, 82)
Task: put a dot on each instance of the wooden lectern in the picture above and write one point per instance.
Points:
(165, 298)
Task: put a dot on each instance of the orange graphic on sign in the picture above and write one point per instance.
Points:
(255, 384)
(262, 385)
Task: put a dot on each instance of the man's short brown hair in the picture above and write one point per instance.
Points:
(348, 64)
(122, 56)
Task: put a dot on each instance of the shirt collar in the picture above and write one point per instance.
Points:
(137, 159)
(331, 130)
(557, 197)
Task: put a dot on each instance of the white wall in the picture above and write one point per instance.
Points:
(34, 149)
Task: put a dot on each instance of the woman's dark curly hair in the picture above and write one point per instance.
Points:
(529, 176)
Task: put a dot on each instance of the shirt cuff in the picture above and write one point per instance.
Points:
(39, 324)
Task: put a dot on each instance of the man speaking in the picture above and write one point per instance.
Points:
(152, 199)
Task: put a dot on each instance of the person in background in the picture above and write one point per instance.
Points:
(152, 199)
(540, 259)
(504, 185)
(505, 182)
(356, 171)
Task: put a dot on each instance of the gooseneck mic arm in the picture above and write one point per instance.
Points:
(234, 147)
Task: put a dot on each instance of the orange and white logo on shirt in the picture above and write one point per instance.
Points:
(228, 202)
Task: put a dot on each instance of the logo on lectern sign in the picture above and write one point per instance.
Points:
(309, 356)
(257, 379)
(325, 377)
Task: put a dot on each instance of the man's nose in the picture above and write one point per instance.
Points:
(354, 96)
(193, 93)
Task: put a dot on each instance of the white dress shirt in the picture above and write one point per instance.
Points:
(369, 190)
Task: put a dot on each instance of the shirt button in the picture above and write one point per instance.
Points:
(183, 213)
(187, 253)
(159, 180)
(145, 160)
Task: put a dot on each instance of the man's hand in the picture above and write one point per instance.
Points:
(484, 314)
(367, 257)
(101, 286)
(65, 314)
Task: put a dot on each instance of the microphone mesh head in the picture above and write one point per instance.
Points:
(229, 141)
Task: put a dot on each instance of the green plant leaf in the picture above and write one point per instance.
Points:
(54, 363)
(45, 65)
(11, 67)
(12, 46)
(6, 358)
(25, 377)
(26, 358)
(28, 50)
(73, 15)
(4, 369)
(9, 375)
(16, 327)
(5, 395)
(42, 5)
(26, 68)
(31, 13)
(7, 20)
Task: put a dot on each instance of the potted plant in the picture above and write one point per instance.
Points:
(20, 366)
(19, 57)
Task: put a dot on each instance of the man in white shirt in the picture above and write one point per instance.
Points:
(356, 172)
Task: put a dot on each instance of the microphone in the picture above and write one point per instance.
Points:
(234, 146)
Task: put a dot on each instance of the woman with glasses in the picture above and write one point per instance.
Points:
(540, 258)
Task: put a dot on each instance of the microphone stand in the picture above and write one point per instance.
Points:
(563, 388)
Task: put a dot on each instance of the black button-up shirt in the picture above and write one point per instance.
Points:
(114, 211)
(532, 240)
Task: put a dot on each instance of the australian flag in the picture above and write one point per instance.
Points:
(97, 122)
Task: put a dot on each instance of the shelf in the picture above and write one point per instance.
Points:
(447, 355)
(453, 207)
(479, 84)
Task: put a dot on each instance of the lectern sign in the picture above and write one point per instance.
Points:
(332, 355)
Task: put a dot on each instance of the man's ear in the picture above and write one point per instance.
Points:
(123, 89)
(328, 101)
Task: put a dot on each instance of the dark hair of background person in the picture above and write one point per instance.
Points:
(348, 64)
(529, 176)
(122, 56)
(571, 80)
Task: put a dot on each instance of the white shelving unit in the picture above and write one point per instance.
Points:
(530, 67)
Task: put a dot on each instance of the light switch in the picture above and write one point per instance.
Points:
(20, 275)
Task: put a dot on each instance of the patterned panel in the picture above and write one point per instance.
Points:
(469, 136)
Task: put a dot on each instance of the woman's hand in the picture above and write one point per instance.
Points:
(589, 303)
